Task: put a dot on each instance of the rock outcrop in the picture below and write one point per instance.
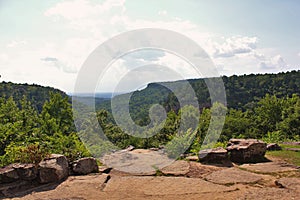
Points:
(27, 172)
(53, 169)
(273, 147)
(246, 150)
(216, 155)
(8, 174)
(85, 166)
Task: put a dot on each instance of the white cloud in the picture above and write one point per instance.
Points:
(88, 23)
(235, 45)
(15, 43)
(65, 67)
(276, 62)
(162, 13)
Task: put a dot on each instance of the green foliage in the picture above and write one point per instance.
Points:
(289, 156)
(273, 137)
(35, 94)
(37, 121)
(27, 136)
(179, 144)
(31, 153)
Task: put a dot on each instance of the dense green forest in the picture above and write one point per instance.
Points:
(36, 94)
(242, 92)
(259, 106)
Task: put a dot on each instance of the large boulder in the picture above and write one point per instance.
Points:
(216, 155)
(85, 166)
(8, 174)
(246, 150)
(26, 171)
(53, 169)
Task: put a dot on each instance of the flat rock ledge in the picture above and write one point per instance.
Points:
(270, 167)
(233, 176)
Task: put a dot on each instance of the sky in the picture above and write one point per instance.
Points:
(47, 42)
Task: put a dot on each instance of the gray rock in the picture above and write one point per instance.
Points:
(246, 150)
(216, 155)
(26, 171)
(8, 174)
(53, 169)
(85, 166)
(273, 147)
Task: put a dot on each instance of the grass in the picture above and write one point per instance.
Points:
(289, 156)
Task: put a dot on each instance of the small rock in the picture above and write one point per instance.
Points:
(154, 149)
(85, 166)
(292, 143)
(246, 150)
(8, 174)
(216, 155)
(53, 169)
(293, 149)
(26, 171)
(192, 158)
(273, 147)
(104, 169)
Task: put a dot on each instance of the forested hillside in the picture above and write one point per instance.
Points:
(36, 121)
(36, 94)
(242, 92)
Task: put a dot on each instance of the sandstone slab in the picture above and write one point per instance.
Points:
(269, 167)
(177, 168)
(290, 183)
(160, 186)
(233, 176)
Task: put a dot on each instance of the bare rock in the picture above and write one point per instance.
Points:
(216, 155)
(26, 171)
(269, 193)
(160, 187)
(177, 168)
(293, 149)
(199, 170)
(292, 143)
(85, 166)
(270, 167)
(233, 176)
(53, 169)
(246, 150)
(8, 174)
(192, 158)
(273, 147)
(104, 169)
(290, 183)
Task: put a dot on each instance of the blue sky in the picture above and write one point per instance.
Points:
(46, 42)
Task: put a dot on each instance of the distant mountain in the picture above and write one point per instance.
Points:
(36, 94)
(242, 92)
